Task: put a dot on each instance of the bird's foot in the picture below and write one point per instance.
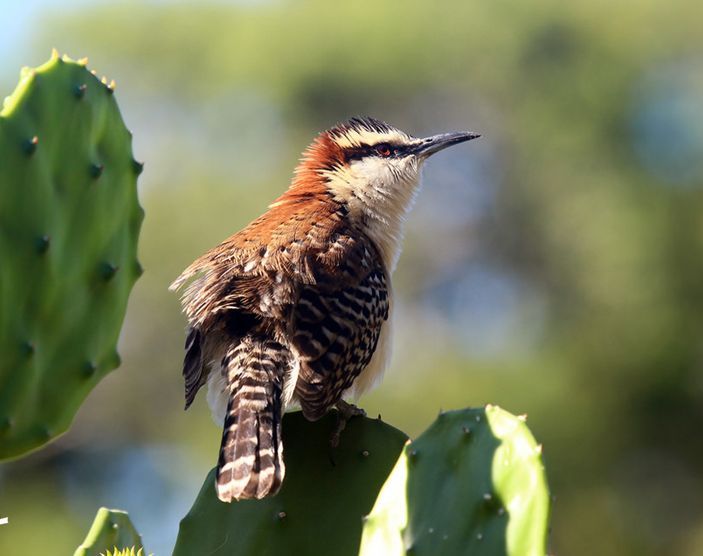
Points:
(345, 411)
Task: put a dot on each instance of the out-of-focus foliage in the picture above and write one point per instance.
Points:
(553, 267)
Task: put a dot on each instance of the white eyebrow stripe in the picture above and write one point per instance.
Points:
(357, 137)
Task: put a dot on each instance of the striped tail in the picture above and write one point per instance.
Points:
(251, 454)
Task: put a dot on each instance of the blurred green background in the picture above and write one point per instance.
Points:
(553, 267)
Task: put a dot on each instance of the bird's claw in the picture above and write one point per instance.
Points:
(345, 411)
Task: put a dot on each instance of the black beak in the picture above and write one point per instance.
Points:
(430, 145)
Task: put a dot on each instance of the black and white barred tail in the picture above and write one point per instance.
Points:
(251, 455)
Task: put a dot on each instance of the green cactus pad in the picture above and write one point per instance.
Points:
(113, 531)
(472, 484)
(320, 508)
(69, 223)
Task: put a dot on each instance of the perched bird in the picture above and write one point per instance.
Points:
(294, 310)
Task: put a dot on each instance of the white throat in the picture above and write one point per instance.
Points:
(380, 193)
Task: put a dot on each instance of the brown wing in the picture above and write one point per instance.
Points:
(258, 269)
(337, 321)
(253, 279)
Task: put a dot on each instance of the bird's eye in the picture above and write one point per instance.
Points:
(384, 149)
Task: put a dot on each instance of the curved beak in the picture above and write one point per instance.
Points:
(430, 145)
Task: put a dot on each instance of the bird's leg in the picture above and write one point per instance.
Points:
(345, 411)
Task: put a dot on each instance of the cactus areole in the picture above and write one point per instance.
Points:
(69, 224)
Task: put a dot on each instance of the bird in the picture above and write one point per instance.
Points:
(295, 309)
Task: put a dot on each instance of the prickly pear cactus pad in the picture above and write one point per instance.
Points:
(113, 531)
(472, 484)
(69, 223)
(318, 511)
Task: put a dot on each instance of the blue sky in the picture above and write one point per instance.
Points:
(21, 19)
(17, 30)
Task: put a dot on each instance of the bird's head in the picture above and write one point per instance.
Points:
(372, 167)
(370, 161)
